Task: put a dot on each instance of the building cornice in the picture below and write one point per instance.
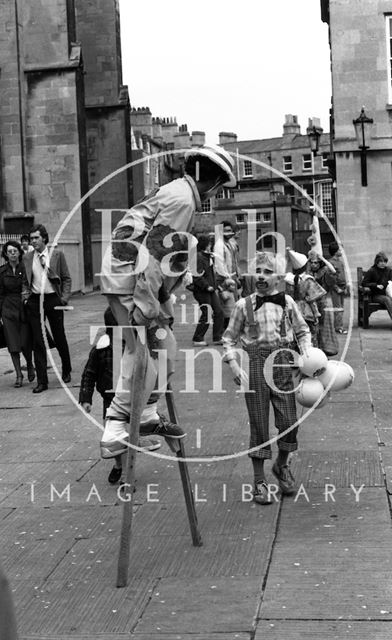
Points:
(74, 61)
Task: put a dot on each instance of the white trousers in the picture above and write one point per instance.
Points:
(158, 370)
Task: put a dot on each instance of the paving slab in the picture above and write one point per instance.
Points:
(333, 561)
(69, 522)
(228, 555)
(220, 605)
(27, 559)
(87, 607)
(322, 630)
(236, 518)
(317, 516)
(382, 413)
(339, 468)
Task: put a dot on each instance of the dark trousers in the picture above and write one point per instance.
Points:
(56, 323)
(205, 298)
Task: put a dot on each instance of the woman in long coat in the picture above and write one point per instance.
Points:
(325, 274)
(16, 331)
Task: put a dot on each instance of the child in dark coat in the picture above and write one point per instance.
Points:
(98, 373)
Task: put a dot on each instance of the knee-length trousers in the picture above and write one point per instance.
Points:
(264, 391)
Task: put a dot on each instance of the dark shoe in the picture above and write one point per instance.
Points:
(30, 373)
(115, 475)
(113, 449)
(39, 388)
(163, 428)
(285, 478)
(66, 377)
(261, 493)
(217, 341)
(18, 382)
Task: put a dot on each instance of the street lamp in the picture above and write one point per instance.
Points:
(362, 126)
(314, 134)
(274, 195)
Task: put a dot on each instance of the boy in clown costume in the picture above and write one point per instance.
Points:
(265, 323)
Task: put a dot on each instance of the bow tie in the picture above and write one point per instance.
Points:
(277, 298)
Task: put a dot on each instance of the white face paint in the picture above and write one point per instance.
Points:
(266, 279)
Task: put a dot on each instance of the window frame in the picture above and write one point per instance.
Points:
(306, 158)
(285, 161)
(206, 206)
(324, 160)
(324, 198)
(246, 165)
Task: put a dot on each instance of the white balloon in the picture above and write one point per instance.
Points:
(340, 372)
(313, 363)
(309, 391)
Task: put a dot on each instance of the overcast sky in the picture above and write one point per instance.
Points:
(227, 65)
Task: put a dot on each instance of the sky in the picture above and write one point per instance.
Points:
(227, 65)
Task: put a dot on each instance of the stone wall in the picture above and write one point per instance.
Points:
(360, 78)
(41, 125)
(107, 113)
(11, 176)
(98, 29)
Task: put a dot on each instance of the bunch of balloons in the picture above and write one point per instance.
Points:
(319, 373)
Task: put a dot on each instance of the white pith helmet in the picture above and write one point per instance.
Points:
(219, 156)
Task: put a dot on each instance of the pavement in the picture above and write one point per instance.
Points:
(315, 565)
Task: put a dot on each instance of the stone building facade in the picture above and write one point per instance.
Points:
(64, 120)
(360, 35)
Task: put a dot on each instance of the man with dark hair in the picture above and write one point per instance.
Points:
(139, 272)
(50, 276)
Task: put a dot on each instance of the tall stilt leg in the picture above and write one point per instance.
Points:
(178, 448)
(137, 395)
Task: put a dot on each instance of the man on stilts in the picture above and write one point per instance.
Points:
(143, 264)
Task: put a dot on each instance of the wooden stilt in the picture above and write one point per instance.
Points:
(137, 395)
(177, 447)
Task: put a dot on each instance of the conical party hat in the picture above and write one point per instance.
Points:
(298, 260)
